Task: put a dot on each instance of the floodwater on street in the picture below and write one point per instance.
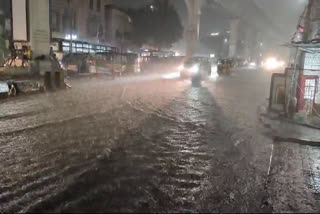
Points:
(149, 144)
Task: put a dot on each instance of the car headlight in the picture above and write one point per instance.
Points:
(253, 64)
(271, 63)
(194, 69)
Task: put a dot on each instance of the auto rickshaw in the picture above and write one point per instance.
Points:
(225, 67)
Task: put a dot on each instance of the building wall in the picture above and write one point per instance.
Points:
(88, 19)
(118, 27)
(5, 29)
(234, 37)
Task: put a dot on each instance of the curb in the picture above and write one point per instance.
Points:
(11, 88)
(278, 116)
(280, 127)
(303, 124)
(297, 141)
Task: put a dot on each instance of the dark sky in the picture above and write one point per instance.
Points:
(284, 13)
(180, 5)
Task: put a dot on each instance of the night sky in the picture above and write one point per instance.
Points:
(284, 13)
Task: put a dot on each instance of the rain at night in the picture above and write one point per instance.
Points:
(159, 106)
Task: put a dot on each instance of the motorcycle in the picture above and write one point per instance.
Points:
(224, 67)
(196, 69)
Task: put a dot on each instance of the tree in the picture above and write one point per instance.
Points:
(157, 24)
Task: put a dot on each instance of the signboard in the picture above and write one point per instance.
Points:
(19, 20)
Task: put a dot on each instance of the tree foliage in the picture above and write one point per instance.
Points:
(157, 25)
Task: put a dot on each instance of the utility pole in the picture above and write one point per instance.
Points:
(307, 32)
(299, 70)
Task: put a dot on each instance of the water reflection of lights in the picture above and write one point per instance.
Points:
(214, 72)
(174, 75)
(313, 153)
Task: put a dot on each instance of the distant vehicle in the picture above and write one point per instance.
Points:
(117, 63)
(196, 68)
(104, 62)
(150, 60)
(272, 64)
(225, 66)
(79, 63)
(132, 63)
(111, 63)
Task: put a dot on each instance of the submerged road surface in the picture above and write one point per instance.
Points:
(139, 144)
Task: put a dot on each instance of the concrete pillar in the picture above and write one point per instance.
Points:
(39, 27)
(192, 31)
(233, 39)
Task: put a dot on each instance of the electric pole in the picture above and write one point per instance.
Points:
(306, 33)
(299, 71)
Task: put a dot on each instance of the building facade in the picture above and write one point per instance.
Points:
(118, 27)
(5, 28)
(80, 19)
(93, 25)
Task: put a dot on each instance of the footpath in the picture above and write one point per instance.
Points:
(20, 81)
(296, 130)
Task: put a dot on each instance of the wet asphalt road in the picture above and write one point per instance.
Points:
(137, 144)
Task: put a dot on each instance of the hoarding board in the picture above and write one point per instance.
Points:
(19, 20)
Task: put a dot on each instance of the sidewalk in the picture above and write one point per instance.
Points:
(27, 83)
(297, 131)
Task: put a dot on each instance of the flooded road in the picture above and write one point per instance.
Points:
(137, 144)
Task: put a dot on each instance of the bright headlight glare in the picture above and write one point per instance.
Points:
(253, 64)
(194, 69)
(271, 63)
(181, 67)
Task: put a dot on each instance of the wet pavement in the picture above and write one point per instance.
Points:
(151, 144)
